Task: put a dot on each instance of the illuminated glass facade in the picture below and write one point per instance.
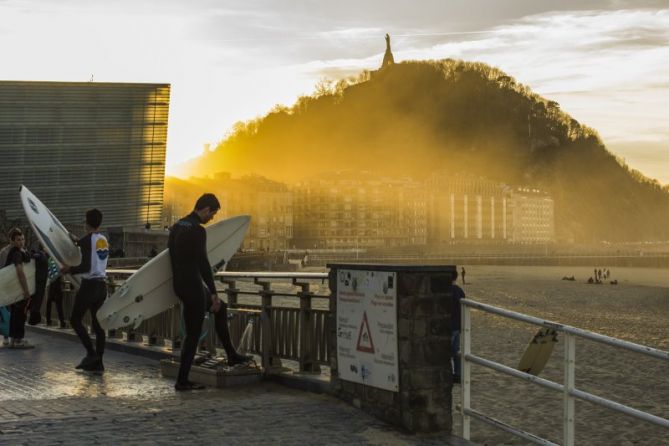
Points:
(83, 145)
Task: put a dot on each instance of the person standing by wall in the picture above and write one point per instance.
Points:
(457, 294)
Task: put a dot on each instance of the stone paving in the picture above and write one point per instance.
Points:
(45, 401)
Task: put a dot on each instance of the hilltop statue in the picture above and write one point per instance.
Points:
(388, 58)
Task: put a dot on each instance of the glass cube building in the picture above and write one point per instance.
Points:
(83, 145)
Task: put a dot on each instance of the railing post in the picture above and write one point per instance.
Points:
(569, 384)
(306, 332)
(269, 361)
(231, 291)
(465, 372)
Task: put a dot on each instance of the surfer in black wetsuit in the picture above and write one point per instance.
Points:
(190, 267)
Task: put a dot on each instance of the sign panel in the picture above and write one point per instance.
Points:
(367, 328)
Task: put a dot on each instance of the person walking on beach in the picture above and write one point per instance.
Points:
(457, 294)
(18, 256)
(187, 246)
(463, 276)
(93, 291)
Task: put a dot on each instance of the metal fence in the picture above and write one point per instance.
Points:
(567, 388)
(286, 315)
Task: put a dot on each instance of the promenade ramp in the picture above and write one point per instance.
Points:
(45, 401)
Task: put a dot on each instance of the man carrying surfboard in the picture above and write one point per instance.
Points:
(187, 245)
(93, 291)
(17, 256)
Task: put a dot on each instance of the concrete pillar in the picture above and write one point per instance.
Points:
(492, 218)
(452, 215)
(390, 342)
(466, 216)
(479, 217)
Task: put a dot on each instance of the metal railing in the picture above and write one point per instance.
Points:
(288, 314)
(567, 388)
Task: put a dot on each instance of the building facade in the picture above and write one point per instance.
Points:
(532, 216)
(83, 145)
(347, 210)
(269, 203)
(467, 209)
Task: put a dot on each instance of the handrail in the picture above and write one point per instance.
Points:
(567, 389)
(661, 354)
(290, 319)
(245, 274)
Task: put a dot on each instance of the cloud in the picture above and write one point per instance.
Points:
(605, 61)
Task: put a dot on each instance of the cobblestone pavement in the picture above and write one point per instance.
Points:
(45, 401)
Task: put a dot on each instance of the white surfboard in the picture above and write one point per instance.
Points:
(149, 292)
(538, 351)
(51, 233)
(10, 287)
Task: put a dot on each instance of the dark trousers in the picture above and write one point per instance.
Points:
(55, 296)
(194, 304)
(36, 303)
(90, 296)
(17, 320)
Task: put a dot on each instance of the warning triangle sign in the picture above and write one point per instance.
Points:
(365, 343)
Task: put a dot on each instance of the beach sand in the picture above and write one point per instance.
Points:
(637, 310)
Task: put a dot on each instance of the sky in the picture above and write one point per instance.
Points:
(605, 61)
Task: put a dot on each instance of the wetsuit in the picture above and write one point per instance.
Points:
(93, 291)
(41, 275)
(193, 283)
(55, 296)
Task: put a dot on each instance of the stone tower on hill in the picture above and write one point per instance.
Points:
(388, 58)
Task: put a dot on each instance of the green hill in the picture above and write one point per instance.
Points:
(413, 118)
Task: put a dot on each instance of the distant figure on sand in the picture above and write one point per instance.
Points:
(463, 276)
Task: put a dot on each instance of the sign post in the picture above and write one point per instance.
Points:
(367, 328)
(390, 342)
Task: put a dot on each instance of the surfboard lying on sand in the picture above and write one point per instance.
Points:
(149, 292)
(538, 351)
(10, 287)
